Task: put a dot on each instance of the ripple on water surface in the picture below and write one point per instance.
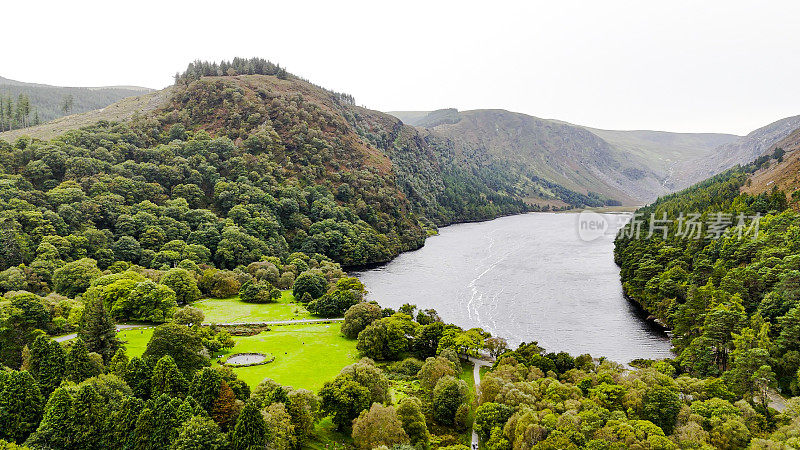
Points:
(526, 278)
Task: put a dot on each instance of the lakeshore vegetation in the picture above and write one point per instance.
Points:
(240, 202)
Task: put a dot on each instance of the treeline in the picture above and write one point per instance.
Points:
(731, 296)
(245, 66)
(17, 114)
(237, 66)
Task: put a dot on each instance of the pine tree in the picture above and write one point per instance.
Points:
(97, 329)
(251, 430)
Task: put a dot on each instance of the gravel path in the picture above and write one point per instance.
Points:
(69, 337)
(476, 372)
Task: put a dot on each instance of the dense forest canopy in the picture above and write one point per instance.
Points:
(253, 182)
(731, 299)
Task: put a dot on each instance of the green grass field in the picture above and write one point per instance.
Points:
(136, 340)
(305, 355)
(226, 310)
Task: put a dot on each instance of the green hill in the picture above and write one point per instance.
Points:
(47, 101)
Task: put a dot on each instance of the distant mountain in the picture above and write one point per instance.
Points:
(532, 151)
(663, 152)
(741, 151)
(412, 118)
(428, 119)
(633, 166)
(117, 112)
(47, 100)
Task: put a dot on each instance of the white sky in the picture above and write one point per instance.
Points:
(725, 66)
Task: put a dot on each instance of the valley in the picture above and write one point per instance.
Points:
(372, 268)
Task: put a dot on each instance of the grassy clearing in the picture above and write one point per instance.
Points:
(226, 310)
(136, 340)
(305, 355)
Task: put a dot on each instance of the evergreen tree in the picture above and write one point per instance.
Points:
(251, 430)
(119, 363)
(205, 387)
(56, 429)
(167, 420)
(67, 104)
(21, 406)
(79, 366)
(47, 364)
(167, 379)
(139, 376)
(97, 329)
(89, 417)
(144, 431)
(124, 420)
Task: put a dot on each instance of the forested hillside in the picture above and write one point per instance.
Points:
(243, 167)
(729, 289)
(28, 104)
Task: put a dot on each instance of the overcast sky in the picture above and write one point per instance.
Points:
(723, 66)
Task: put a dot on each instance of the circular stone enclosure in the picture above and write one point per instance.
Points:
(248, 359)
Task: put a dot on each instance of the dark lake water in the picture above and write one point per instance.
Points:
(526, 278)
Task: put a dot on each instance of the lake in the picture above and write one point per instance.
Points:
(528, 277)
